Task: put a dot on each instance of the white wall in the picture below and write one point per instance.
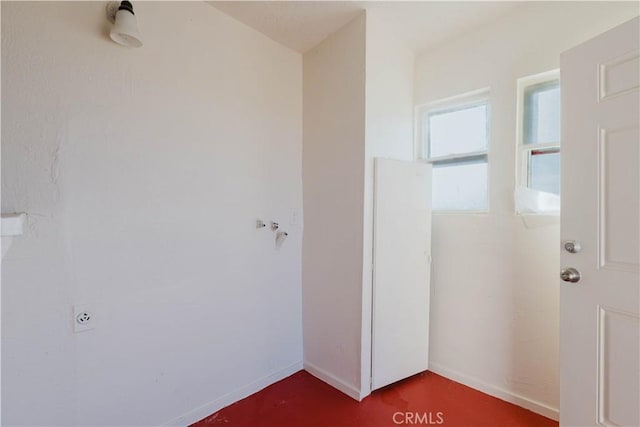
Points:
(333, 180)
(143, 172)
(389, 134)
(358, 105)
(494, 314)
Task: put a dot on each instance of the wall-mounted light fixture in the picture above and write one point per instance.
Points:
(125, 28)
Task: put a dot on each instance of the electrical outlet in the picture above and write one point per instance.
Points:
(84, 318)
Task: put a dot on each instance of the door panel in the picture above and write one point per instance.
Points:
(599, 320)
(617, 390)
(619, 177)
(402, 250)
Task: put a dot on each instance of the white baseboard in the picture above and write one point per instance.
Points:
(232, 397)
(333, 381)
(500, 393)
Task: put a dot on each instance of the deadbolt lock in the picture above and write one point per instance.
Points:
(572, 247)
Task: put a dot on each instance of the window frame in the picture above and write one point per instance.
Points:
(422, 143)
(523, 151)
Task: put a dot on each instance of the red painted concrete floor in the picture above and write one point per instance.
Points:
(302, 400)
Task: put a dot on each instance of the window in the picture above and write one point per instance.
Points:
(455, 140)
(539, 142)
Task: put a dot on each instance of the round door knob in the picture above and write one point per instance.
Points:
(570, 274)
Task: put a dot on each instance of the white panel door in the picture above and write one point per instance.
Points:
(401, 254)
(600, 323)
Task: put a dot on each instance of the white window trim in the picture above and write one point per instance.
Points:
(522, 158)
(464, 100)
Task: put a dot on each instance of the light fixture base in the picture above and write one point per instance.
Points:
(112, 9)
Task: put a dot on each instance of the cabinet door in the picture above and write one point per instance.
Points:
(401, 270)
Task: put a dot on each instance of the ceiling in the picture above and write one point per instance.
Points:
(301, 25)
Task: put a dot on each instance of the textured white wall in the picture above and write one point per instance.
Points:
(143, 172)
(389, 134)
(333, 179)
(350, 117)
(495, 301)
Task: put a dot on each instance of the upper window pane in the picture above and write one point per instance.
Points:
(458, 131)
(542, 113)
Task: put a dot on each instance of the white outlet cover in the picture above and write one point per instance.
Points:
(84, 318)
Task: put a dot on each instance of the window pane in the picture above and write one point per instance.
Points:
(542, 113)
(460, 186)
(457, 131)
(544, 170)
